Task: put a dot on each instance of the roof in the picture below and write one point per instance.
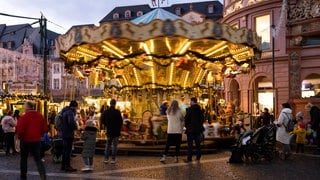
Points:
(18, 33)
(200, 7)
(122, 9)
(155, 14)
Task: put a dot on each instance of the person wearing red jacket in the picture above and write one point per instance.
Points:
(30, 128)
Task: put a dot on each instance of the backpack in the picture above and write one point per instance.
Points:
(58, 121)
(290, 124)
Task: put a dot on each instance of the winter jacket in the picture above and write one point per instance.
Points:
(194, 120)
(69, 124)
(282, 135)
(112, 119)
(175, 123)
(31, 126)
(89, 145)
(301, 134)
(8, 124)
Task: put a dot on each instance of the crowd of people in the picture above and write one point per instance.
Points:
(33, 132)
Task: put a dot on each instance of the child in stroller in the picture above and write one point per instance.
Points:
(57, 149)
(255, 145)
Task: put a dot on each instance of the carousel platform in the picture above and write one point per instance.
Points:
(156, 147)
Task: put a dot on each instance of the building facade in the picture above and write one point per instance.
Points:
(288, 70)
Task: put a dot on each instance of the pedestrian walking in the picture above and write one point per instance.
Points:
(9, 128)
(68, 127)
(300, 133)
(282, 135)
(112, 119)
(315, 124)
(31, 126)
(194, 120)
(88, 150)
(174, 131)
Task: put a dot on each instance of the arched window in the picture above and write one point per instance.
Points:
(115, 15)
(210, 9)
(127, 14)
(178, 11)
(139, 13)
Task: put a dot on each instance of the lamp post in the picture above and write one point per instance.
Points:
(273, 27)
(43, 29)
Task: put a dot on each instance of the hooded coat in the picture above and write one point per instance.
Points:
(282, 135)
(194, 120)
(89, 137)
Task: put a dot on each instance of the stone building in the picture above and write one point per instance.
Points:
(288, 70)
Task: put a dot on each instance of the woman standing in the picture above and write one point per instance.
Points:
(175, 119)
(282, 135)
(8, 125)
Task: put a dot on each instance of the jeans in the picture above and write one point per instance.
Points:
(197, 139)
(34, 149)
(111, 141)
(10, 143)
(173, 139)
(88, 161)
(67, 150)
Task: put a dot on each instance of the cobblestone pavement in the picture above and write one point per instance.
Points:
(213, 166)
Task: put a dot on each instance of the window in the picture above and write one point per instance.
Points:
(127, 14)
(178, 11)
(139, 13)
(235, 26)
(56, 83)
(115, 15)
(56, 68)
(263, 29)
(210, 9)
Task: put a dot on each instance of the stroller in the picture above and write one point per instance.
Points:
(255, 146)
(57, 149)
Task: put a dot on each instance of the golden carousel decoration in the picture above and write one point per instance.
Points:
(162, 54)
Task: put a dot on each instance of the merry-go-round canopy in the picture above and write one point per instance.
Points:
(159, 54)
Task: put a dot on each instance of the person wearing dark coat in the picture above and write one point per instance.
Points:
(69, 125)
(112, 119)
(194, 120)
(89, 145)
(315, 123)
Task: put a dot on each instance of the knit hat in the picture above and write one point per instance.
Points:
(90, 123)
(299, 114)
(302, 126)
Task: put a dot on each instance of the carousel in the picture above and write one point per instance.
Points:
(161, 59)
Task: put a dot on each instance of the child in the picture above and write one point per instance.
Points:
(301, 133)
(89, 136)
(310, 139)
(45, 145)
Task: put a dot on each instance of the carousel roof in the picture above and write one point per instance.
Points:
(158, 13)
(161, 54)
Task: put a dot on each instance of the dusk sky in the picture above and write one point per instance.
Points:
(62, 14)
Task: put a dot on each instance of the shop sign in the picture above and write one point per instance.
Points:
(23, 88)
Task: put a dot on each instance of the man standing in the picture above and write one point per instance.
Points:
(194, 120)
(112, 119)
(315, 123)
(31, 126)
(69, 125)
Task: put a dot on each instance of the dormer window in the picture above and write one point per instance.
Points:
(178, 11)
(210, 9)
(139, 13)
(127, 14)
(115, 16)
(10, 44)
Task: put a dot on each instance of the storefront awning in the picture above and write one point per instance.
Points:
(161, 54)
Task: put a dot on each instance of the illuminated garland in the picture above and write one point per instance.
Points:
(23, 97)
